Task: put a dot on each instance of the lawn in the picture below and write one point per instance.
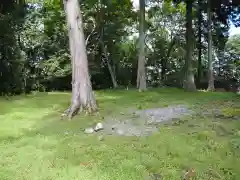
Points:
(36, 145)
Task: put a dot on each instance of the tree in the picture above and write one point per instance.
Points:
(82, 94)
(103, 46)
(199, 69)
(11, 57)
(210, 58)
(231, 59)
(141, 75)
(189, 83)
(34, 53)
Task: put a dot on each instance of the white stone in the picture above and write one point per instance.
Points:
(89, 130)
(98, 127)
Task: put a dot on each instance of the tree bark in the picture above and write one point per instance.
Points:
(165, 59)
(189, 83)
(102, 44)
(210, 57)
(163, 70)
(141, 75)
(110, 69)
(82, 94)
(199, 70)
(113, 75)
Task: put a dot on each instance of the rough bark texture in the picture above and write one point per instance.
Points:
(189, 83)
(141, 75)
(199, 70)
(82, 94)
(210, 57)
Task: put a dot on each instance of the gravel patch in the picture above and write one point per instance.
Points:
(142, 122)
(159, 115)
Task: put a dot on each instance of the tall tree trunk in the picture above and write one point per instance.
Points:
(199, 70)
(165, 59)
(210, 57)
(141, 75)
(163, 70)
(82, 94)
(110, 69)
(113, 75)
(189, 83)
(102, 44)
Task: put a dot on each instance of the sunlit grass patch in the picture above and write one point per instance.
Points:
(231, 112)
(35, 144)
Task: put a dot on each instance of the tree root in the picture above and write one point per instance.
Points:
(65, 113)
(75, 109)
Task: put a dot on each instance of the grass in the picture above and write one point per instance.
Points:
(36, 145)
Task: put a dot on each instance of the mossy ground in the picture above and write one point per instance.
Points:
(36, 145)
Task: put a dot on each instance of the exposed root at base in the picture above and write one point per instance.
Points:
(75, 109)
(65, 113)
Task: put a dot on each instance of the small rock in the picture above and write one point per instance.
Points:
(98, 127)
(89, 130)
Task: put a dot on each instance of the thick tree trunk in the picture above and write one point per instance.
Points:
(210, 57)
(189, 83)
(82, 94)
(141, 75)
(199, 70)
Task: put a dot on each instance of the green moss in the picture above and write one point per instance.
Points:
(231, 112)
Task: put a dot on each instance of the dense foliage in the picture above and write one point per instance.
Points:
(34, 50)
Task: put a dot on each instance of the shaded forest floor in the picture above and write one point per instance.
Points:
(36, 145)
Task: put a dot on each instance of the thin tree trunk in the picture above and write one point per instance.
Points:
(189, 83)
(102, 45)
(210, 57)
(163, 70)
(82, 94)
(219, 55)
(165, 59)
(199, 70)
(112, 74)
(141, 75)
